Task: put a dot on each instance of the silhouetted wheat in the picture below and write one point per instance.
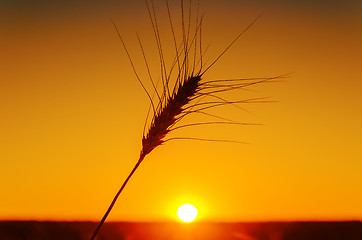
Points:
(188, 93)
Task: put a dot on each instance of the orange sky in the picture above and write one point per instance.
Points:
(72, 115)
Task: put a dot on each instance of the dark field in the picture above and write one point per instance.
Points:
(32, 230)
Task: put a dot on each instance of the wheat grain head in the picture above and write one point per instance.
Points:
(183, 90)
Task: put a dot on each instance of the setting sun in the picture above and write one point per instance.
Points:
(187, 212)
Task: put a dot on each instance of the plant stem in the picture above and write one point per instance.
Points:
(114, 201)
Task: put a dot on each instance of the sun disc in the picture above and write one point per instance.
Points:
(187, 212)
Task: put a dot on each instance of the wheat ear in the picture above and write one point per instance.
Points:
(189, 94)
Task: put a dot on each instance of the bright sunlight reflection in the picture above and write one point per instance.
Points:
(187, 212)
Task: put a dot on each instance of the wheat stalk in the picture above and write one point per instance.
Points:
(189, 94)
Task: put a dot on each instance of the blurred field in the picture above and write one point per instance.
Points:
(33, 230)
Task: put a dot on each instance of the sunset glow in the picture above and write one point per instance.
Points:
(73, 113)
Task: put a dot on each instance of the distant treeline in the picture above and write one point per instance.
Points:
(34, 230)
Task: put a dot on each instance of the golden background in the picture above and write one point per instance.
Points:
(72, 114)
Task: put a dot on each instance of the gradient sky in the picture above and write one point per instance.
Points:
(72, 114)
